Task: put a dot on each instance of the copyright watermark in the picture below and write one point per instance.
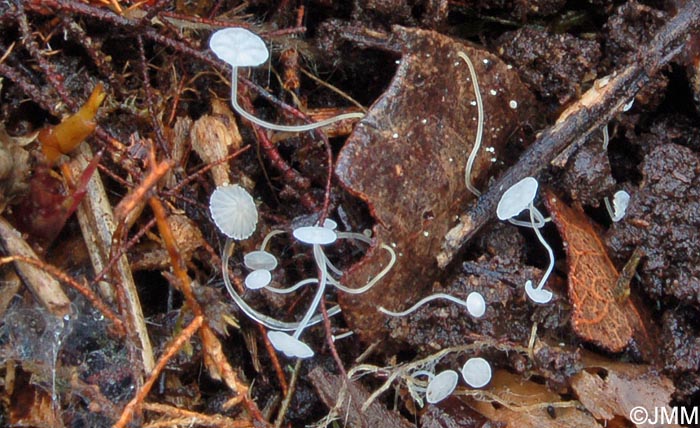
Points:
(686, 416)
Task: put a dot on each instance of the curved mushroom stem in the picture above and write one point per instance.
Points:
(422, 302)
(479, 126)
(283, 128)
(319, 257)
(266, 240)
(542, 296)
(256, 316)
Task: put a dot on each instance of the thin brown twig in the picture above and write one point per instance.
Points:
(171, 350)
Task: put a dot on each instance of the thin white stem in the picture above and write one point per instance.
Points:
(374, 280)
(293, 288)
(320, 263)
(479, 126)
(256, 316)
(606, 137)
(282, 128)
(269, 236)
(536, 214)
(422, 302)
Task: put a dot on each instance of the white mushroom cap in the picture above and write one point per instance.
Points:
(517, 198)
(289, 346)
(258, 279)
(537, 295)
(233, 211)
(239, 47)
(315, 235)
(621, 200)
(260, 260)
(441, 386)
(476, 305)
(476, 372)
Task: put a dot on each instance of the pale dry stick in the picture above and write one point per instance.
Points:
(595, 109)
(97, 225)
(46, 289)
(174, 347)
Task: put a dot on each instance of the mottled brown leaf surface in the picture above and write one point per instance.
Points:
(597, 316)
(406, 159)
(623, 387)
(524, 404)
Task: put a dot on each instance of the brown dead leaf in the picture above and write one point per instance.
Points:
(624, 387)
(526, 404)
(406, 159)
(597, 316)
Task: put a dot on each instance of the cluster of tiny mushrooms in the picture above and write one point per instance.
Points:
(234, 212)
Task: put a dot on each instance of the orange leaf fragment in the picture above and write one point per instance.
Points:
(598, 316)
(63, 138)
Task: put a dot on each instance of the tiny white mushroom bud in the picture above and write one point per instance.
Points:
(621, 200)
(234, 211)
(441, 386)
(258, 279)
(289, 346)
(476, 372)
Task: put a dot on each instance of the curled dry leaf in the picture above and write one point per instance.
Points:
(598, 316)
(407, 157)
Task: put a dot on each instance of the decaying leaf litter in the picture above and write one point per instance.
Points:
(152, 337)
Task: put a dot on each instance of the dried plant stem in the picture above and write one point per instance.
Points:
(182, 417)
(290, 394)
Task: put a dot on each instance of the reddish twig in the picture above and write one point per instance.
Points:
(171, 350)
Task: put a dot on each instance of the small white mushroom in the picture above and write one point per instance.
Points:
(476, 307)
(239, 47)
(621, 200)
(258, 279)
(256, 316)
(441, 386)
(260, 260)
(514, 200)
(289, 345)
(476, 372)
(233, 211)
